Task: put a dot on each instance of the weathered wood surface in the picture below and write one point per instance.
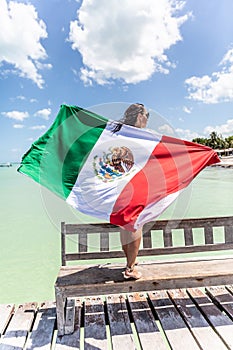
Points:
(224, 297)
(172, 319)
(18, 329)
(197, 323)
(95, 335)
(43, 327)
(70, 341)
(5, 312)
(108, 279)
(119, 322)
(220, 322)
(174, 326)
(145, 323)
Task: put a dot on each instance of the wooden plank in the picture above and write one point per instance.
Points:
(95, 335)
(156, 225)
(17, 330)
(82, 245)
(228, 233)
(5, 314)
(91, 228)
(108, 279)
(147, 329)
(222, 324)
(43, 327)
(70, 316)
(60, 304)
(146, 238)
(167, 237)
(119, 322)
(151, 251)
(229, 289)
(177, 333)
(188, 236)
(67, 342)
(209, 237)
(63, 244)
(104, 241)
(202, 331)
(224, 299)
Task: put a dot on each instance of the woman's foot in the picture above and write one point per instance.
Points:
(131, 273)
(135, 264)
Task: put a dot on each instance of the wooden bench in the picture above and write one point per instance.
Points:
(161, 238)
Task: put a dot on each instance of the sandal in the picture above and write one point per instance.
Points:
(131, 273)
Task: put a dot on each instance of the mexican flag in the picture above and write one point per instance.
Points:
(127, 178)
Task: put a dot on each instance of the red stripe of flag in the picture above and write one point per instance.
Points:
(172, 166)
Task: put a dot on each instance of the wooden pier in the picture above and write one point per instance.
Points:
(194, 318)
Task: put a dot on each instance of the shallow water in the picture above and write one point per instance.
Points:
(30, 228)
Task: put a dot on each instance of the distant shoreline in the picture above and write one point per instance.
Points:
(226, 162)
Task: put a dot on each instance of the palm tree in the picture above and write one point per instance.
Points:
(215, 141)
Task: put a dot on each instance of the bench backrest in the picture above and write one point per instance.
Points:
(194, 235)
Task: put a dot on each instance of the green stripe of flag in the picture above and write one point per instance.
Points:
(56, 158)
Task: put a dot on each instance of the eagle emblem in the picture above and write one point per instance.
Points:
(113, 164)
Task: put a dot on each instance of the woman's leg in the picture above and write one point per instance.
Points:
(130, 244)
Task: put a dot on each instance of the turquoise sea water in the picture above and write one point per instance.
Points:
(30, 228)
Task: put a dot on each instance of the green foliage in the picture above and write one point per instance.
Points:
(215, 141)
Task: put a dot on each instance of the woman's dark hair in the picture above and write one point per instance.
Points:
(130, 116)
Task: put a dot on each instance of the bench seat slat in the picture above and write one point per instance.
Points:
(103, 279)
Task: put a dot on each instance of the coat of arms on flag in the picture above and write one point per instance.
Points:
(117, 162)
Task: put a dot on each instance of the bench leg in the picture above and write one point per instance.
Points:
(60, 307)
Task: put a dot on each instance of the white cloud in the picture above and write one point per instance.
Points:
(38, 127)
(126, 42)
(225, 129)
(187, 109)
(166, 129)
(20, 97)
(20, 34)
(215, 88)
(186, 134)
(16, 115)
(18, 126)
(43, 113)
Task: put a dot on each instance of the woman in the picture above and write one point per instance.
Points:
(135, 115)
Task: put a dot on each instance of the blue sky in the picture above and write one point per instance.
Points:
(176, 57)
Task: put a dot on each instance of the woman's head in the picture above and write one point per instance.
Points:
(135, 115)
